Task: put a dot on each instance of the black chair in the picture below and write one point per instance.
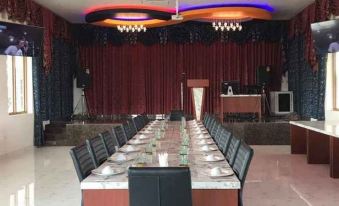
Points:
(82, 161)
(206, 116)
(109, 142)
(120, 135)
(138, 123)
(132, 127)
(167, 186)
(128, 131)
(97, 149)
(224, 140)
(211, 124)
(215, 129)
(145, 119)
(232, 150)
(241, 165)
(176, 115)
(208, 119)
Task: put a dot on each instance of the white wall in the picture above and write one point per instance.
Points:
(16, 131)
(330, 114)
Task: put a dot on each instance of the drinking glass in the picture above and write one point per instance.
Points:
(184, 160)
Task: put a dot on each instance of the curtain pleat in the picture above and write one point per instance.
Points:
(132, 79)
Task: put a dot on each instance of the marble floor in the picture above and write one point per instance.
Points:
(45, 177)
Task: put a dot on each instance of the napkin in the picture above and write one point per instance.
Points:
(107, 170)
(205, 148)
(215, 171)
(130, 148)
(121, 157)
(163, 159)
(210, 157)
(202, 141)
(137, 141)
(142, 137)
(201, 136)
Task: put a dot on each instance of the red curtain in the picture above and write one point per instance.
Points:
(134, 79)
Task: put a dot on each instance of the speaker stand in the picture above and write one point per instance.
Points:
(82, 105)
(266, 102)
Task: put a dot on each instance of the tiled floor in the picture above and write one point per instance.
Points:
(45, 177)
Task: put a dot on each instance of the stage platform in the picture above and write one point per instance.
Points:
(271, 132)
(261, 133)
(75, 133)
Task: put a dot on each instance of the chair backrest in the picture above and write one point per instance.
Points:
(206, 117)
(120, 135)
(232, 150)
(145, 119)
(211, 124)
(109, 142)
(82, 161)
(128, 130)
(132, 126)
(97, 149)
(218, 134)
(138, 123)
(166, 186)
(176, 115)
(215, 129)
(224, 139)
(242, 161)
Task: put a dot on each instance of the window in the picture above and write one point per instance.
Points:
(17, 84)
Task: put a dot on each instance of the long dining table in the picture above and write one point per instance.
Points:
(206, 190)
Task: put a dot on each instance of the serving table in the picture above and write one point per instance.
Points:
(205, 189)
(319, 140)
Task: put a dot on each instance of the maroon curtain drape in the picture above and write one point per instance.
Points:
(132, 79)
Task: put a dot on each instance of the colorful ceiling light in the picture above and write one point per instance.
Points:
(135, 16)
(129, 18)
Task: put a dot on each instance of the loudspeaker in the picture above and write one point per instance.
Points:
(264, 75)
(83, 78)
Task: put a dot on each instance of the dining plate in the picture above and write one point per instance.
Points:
(136, 143)
(210, 149)
(116, 171)
(115, 160)
(224, 173)
(202, 137)
(205, 143)
(216, 159)
(145, 132)
(141, 137)
(124, 150)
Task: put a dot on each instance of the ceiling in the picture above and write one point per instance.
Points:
(74, 10)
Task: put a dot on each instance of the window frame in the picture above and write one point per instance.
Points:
(24, 63)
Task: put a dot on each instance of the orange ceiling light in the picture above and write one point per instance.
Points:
(228, 13)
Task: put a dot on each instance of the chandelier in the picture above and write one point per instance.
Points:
(131, 28)
(227, 25)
